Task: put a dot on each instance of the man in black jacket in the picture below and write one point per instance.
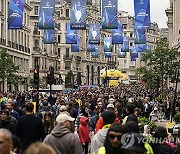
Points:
(29, 127)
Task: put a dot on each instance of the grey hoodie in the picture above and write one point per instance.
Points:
(63, 141)
(98, 139)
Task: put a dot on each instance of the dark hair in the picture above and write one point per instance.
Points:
(29, 107)
(161, 132)
(117, 128)
(5, 111)
(130, 107)
(108, 117)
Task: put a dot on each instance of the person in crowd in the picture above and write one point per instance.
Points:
(40, 148)
(99, 138)
(147, 131)
(72, 110)
(6, 142)
(94, 119)
(112, 144)
(135, 147)
(16, 145)
(131, 116)
(10, 106)
(155, 115)
(161, 146)
(48, 121)
(55, 108)
(84, 133)
(29, 127)
(62, 137)
(63, 109)
(5, 122)
(146, 107)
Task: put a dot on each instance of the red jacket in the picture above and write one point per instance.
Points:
(83, 130)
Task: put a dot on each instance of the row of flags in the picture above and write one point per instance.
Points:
(109, 14)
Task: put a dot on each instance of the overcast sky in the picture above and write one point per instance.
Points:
(157, 10)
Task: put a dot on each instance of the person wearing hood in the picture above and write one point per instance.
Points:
(84, 133)
(147, 131)
(112, 144)
(99, 138)
(62, 137)
(155, 115)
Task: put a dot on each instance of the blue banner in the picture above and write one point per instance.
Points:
(78, 14)
(95, 53)
(91, 47)
(134, 55)
(71, 35)
(142, 14)
(75, 47)
(94, 33)
(125, 47)
(49, 36)
(142, 47)
(108, 44)
(108, 54)
(109, 14)
(120, 53)
(46, 14)
(15, 14)
(139, 36)
(117, 35)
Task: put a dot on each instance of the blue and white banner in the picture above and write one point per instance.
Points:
(134, 55)
(49, 36)
(91, 47)
(75, 47)
(117, 35)
(94, 33)
(125, 47)
(120, 53)
(15, 14)
(109, 14)
(108, 54)
(78, 14)
(71, 35)
(139, 36)
(108, 44)
(95, 54)
(142, 14)
(142, 47)
(46, 14)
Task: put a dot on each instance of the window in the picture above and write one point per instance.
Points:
(124, 26)
(67, 52)
(131, 34)
(131, 44)
(36, 43)
(59, 26)
(36, 25)
(59, 52)
(36, 10)
(59, 38)
(59, 13)
(67, 12)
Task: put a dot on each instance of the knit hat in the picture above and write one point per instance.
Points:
(111, 100)
(108, 117)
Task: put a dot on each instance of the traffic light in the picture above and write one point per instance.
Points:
(36, 76)
(79, 78)
(50, 76)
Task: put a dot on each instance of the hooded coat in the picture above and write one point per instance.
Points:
(64, 141)
(84, 130)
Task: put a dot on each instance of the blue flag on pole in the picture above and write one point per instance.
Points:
(142, 14)
(49, 36)
(108, 44)
(139, 36)
(46, 14)
(15, 14)
(142, 47)
(91, 47)
(109, 14)
(120, 53)
(108, 54)
(95, 54)
(78, 14)
(75, 47)
(94, 33)
(117, 35)
(71, 35)
(134, 55)
(125, 47)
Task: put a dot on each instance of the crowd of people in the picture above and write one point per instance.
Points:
(98, 121)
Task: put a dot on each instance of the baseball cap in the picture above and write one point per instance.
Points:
(64, 117)
(110, 106)
(111, 100)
